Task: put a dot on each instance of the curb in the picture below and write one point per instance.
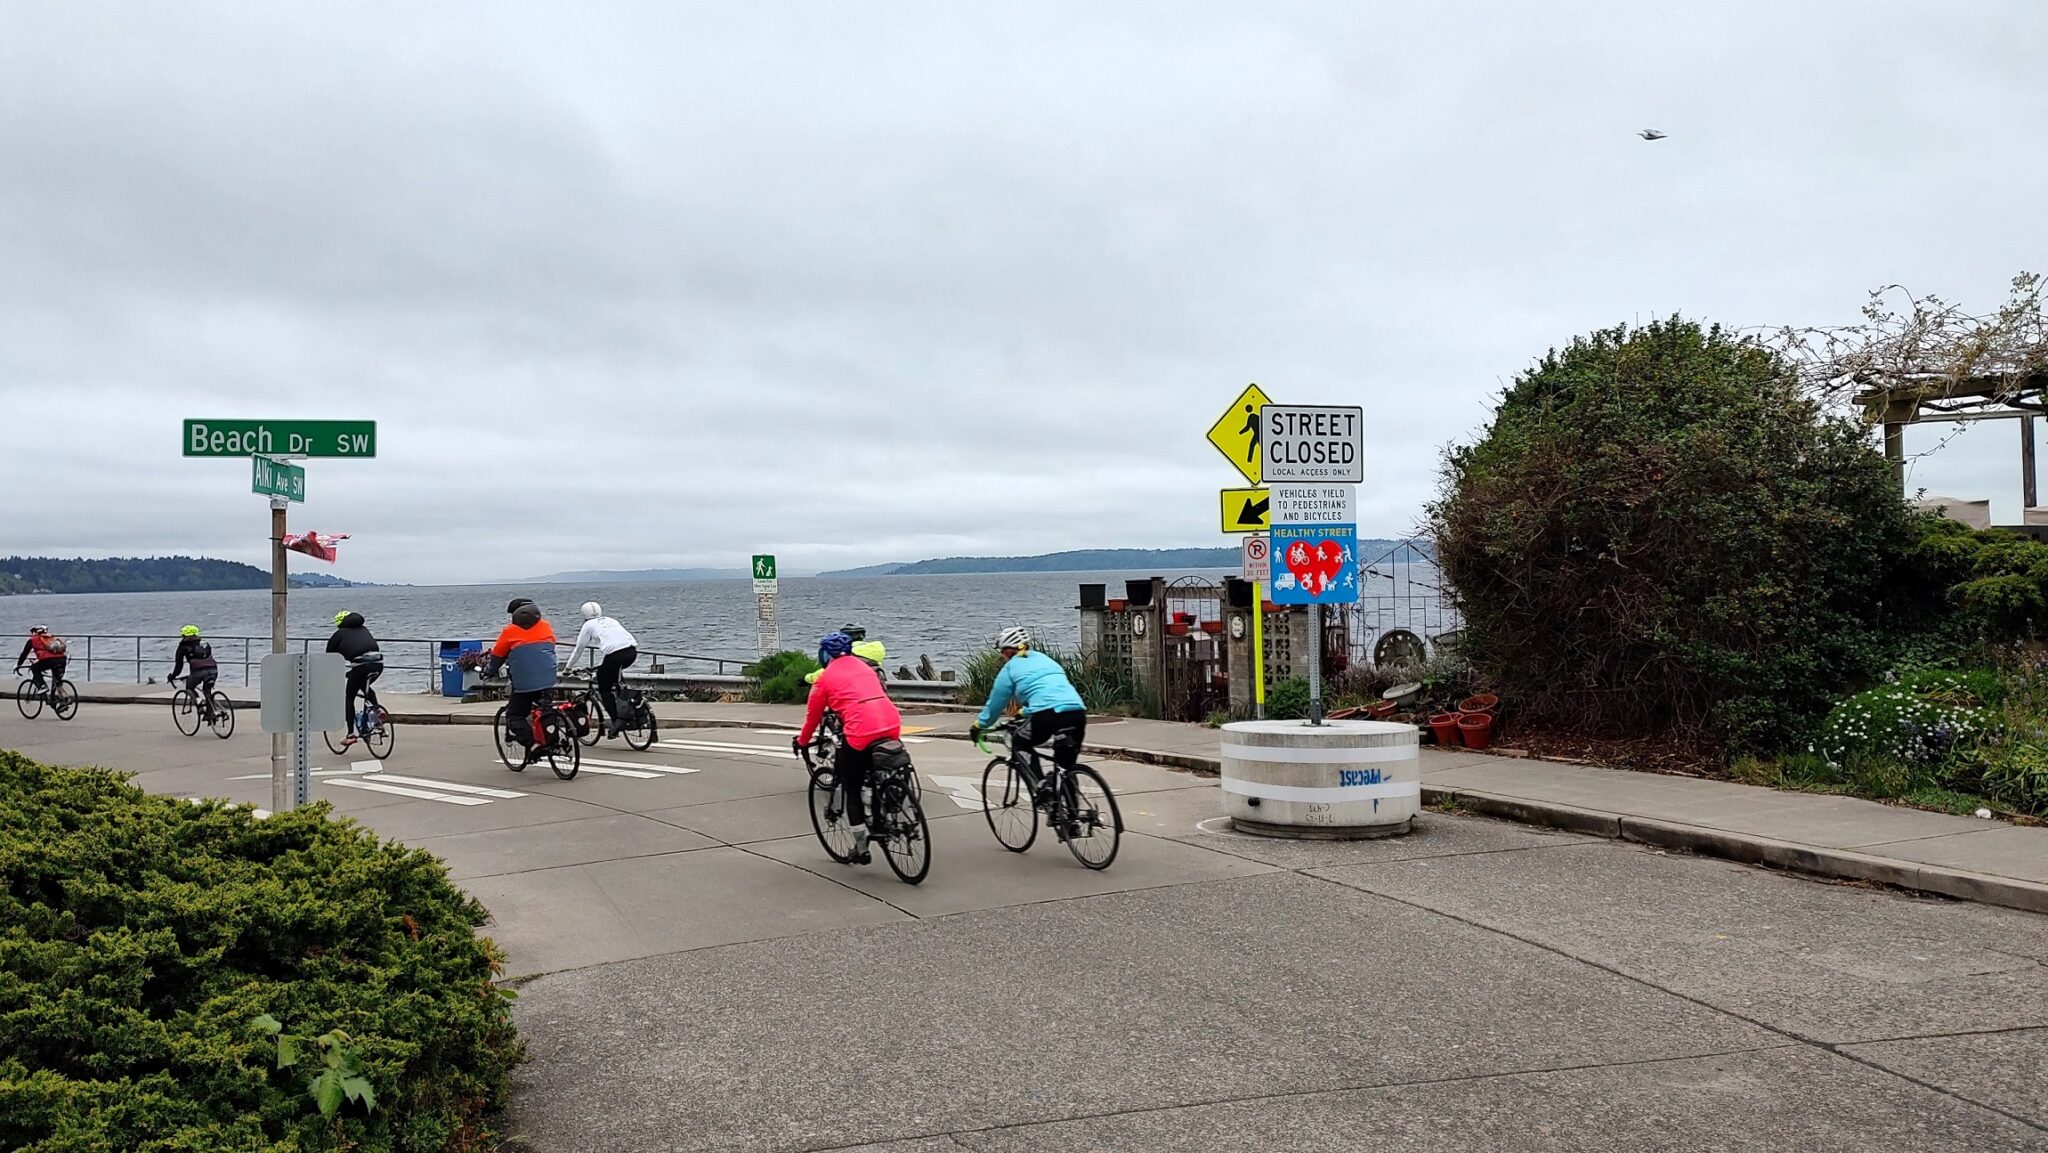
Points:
(1788, 856)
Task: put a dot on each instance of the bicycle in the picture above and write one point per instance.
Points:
(832, 734)
(639, 729)
(61, 695)
(895, 816)
(1078, 805)
(555, 737)
(373, 726)
(189, 711)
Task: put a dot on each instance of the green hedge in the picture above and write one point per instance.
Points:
(779, 677)
(140, 936)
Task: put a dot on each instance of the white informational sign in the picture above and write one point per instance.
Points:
(1258, 559)
(1315, 503)
(321, 706)
(1311, 444)
(766, 632)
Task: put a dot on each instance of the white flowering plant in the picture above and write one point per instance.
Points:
(1922, 720)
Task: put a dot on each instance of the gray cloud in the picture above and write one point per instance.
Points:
(664, 285)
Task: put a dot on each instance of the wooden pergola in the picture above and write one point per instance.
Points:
(1936, 398)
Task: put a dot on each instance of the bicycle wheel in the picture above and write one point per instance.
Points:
(501, 734)
(337, 743)
(383, 734)
(640, 733)
(564, 752)
(594, 709)
(1097, 825)
(27, 699)
(907, 841)
(64, 700)
(185, 711)
(223, 721)
(828, 820)
(1006, 802)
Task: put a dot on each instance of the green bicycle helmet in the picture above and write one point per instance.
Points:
(189, 631)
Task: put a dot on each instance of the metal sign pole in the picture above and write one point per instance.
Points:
(1315, 664)
(1258, 654)
(280, 785)
(302, 735)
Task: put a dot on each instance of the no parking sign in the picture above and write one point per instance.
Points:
(1258, 559)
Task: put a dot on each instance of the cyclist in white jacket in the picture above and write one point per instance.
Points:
(612, 651)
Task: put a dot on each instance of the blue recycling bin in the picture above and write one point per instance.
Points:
(452, 674)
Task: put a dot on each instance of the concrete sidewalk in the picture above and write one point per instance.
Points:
(1828, 836)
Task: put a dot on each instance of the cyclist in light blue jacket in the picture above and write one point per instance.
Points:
(1052, 709)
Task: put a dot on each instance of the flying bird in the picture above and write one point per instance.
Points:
(1650, 134)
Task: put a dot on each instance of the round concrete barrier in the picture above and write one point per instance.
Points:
(1341, 779)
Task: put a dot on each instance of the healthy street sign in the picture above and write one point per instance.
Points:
(1318, 564)
(1245, 510)
(1312, 444)
(280, 438)
(1236, 433)
(1315, 504)
(276, 478)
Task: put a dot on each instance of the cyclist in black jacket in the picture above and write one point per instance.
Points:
(353, 641)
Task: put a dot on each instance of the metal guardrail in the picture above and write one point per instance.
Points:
(145, 659)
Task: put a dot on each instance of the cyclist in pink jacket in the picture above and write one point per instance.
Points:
(851, 688)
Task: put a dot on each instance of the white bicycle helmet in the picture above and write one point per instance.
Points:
(1014, 637)
(592, 610)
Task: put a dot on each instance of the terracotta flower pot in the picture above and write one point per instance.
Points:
(1380, 710)
(1445, 726)
(1212, 626)
(1481, 703)
(1475, 729)
(1177, 628)
(1118, 606)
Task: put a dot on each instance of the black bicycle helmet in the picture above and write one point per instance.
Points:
(516, 602)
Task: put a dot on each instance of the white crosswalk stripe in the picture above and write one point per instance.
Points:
(450, 786)
(371, 786)
(637, 768)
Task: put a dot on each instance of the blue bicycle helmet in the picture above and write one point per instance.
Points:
(834, 645)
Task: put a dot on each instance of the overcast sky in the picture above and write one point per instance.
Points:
(666, 284)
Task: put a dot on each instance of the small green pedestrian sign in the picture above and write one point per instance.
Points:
(764, 567)
(276, 478)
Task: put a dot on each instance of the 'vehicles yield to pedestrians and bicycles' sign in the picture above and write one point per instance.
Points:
(280, 438)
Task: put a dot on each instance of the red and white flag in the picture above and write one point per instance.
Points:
(318, 545)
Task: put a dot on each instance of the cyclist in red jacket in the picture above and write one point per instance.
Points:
(48, 652)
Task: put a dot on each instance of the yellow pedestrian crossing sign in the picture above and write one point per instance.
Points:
(1236, 434)
(1247, 510)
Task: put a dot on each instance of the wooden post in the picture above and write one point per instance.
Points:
(2029, 497)
(1895, 451)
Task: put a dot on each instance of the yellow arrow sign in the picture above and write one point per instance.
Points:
(1236, 433)
(1247, 510)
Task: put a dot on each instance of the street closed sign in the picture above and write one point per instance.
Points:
(1307, 444)
(280, 438)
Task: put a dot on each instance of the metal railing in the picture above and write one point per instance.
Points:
(411, 664)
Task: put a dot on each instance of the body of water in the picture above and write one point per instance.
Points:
(947, 617)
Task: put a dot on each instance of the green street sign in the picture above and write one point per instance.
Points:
(280, 438)
(276, 478)
(764, 567)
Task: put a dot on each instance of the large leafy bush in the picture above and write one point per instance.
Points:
(141, 935)
(779, 677)
(1659, 533)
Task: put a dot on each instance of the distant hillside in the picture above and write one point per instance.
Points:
(623, 576)
(34, 574)
(1133, 560)
(320, 580)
